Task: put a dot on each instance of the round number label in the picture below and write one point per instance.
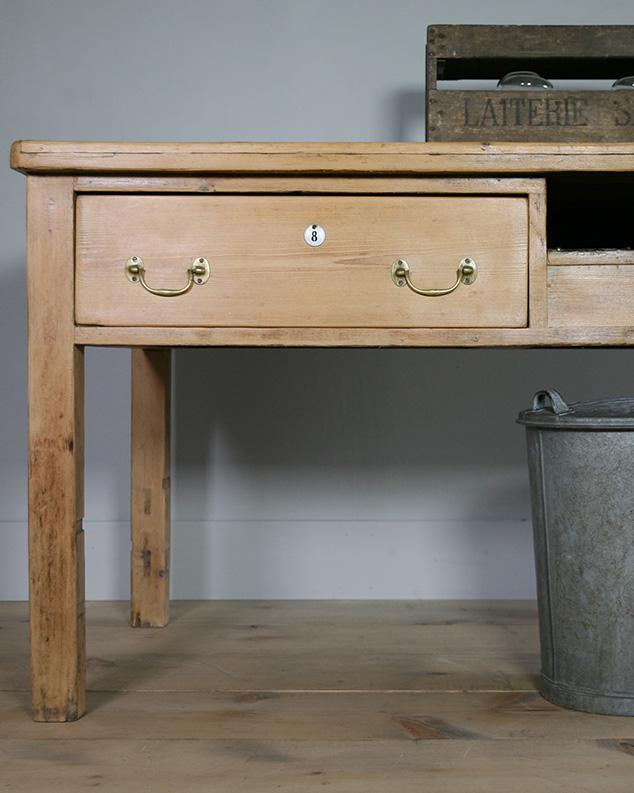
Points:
(314, 235)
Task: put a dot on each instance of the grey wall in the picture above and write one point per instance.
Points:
(298, 473)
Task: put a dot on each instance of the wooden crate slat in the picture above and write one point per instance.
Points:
(531, 41)
(556, 52)
(579, 116)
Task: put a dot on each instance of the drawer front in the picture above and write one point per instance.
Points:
(263, 272)
(591, 296)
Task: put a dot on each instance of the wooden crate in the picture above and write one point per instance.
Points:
(556, 52)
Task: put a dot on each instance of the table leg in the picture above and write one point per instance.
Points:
(56, 457)
(150, 519)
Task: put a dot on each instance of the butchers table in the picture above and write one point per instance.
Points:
(162, 245)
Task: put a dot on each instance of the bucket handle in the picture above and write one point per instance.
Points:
(560, 408)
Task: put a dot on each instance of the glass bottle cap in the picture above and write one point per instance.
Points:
(624, 82)
(523, 81)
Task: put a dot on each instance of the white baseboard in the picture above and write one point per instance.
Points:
(306, 560)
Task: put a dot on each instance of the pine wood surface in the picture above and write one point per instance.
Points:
(561, 258)
(263, 274)
(56, 456)
(590, 294)
(537, 259)
(150, 517)
(302, 184)
(56, 171)
(298, 696)
(573, 336)
(318, 158)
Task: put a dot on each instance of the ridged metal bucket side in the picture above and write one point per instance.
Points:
(582, 498)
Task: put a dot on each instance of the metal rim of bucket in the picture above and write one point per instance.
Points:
(599, 414)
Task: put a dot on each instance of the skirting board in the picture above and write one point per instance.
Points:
(218, 560)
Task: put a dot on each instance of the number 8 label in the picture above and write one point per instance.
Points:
(314, 235)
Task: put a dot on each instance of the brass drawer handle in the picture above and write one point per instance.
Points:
(198, 273)
(467, 273)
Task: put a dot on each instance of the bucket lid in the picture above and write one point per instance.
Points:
(550, 410)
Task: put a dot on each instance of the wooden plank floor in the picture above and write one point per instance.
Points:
(304, 696)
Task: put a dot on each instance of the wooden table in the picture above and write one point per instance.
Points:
(154, 246)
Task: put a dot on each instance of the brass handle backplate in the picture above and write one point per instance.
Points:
(198, 273)
(467, 273)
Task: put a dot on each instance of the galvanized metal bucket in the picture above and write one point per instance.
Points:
(581, 467)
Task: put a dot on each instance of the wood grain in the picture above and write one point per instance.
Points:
(469, 53)
(271, 766)
(606, 42)
(583, 295)
(577, 116)
(150, 477)
(268, 289)
(558, 257)
(263, 274)
(56, 543)
(569, 336)
(342, 716)
(309, 185)
(316, 646)
(320, 158)
(287, 646)
(537, 257)
(187, 737)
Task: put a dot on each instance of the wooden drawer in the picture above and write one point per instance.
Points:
(591, 289)
(264, 274)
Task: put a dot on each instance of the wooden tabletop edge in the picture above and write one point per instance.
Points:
(30, 156)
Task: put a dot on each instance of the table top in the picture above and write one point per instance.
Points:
(568, 302)
(41, 157)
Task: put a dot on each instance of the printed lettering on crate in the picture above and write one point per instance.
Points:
(530, 83)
